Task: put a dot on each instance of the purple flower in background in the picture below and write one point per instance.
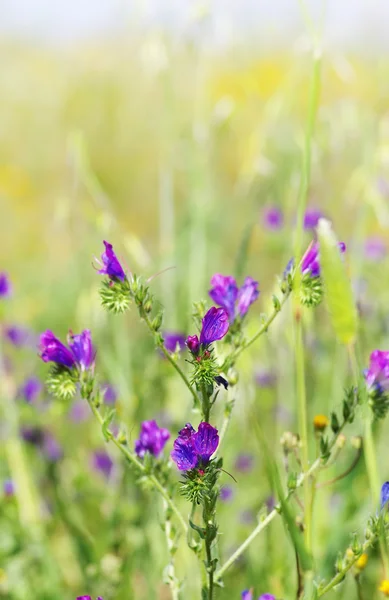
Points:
(193, 343)
(265, 378)
(8, 487)
(32, 435)
(53, 350)
(5, 286)
(18, 336)
(267, 597)
(102, 462)
(311, 217)
(51, 448)
(109, 393)
(272, 218)
(151, 439)
(87, 598)
(79, 411)
(385, 494)
(226, 493)
(234, 300)
(214, 325)
(191, 449)
(375, 249)
(244, 462)
(377, 375)
(111, 266)
(30, 389)
(172, 339)
(247, 595)
(80, 354)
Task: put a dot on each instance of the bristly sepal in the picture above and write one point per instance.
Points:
(115, 295)
(62, 382)
(311, 290)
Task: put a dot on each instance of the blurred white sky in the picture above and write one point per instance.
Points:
(360, 24)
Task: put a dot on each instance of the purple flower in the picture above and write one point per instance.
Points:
(385, 494)
(191, 449)
(226, 294)
(53, 350)
(244, 462)
(151, 439)
(102, 462)
(87, 598)
(265, 378)
(377, 375)
(81, 351)
(248, 293)
(32, 435)
(193, 343)
(18, 336)
(226, 493)
(247, 595)
(375, 248)
(111, 265)
(5, 286)
(311, 217)
(272, 218)
(30, 389)
(214, 325)
(267, 597)
(51, 448)
(8, 487)
(81, 346)
(109, 393)
(172, 339)
(310, 263)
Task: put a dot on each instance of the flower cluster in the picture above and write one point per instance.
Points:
(5, 286)
(152, 439)
(194, 449)
(249, 595)
(115, 290)
(377, 382)
(236, 301)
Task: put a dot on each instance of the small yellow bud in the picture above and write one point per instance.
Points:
(320, 422)
(361, 562)
(349, 554)
(384, 587)
(356, 442)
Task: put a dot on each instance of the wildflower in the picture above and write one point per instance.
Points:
(320, 422)
(361, 562)
(265, 378)
(80, 354)
(151, 439)
(384, 587)
(5, 286)
(267, 597)
(236, 301)
(384, 494)
(272, 218)
(51, 448)
(79, 411)
(102, 462)
(8, 487)
(30, 389)
(244, 462)
(18, 336)
(377, 382)
(192, 449)
(87, 598)
(311, 291)
(214, 326)
(247, 595)
(111, 266)
(193, 343)
(375, 249)
(226, 493)
(311, 218)
(173, 340)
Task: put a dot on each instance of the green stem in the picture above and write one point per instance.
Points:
(263, 329)
(169, 357)
(139, 465)
(206, 404)
(345, 473)
(171, 574)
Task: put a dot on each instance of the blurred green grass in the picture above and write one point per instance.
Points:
(171, 154)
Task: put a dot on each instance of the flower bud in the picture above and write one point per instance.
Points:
(356, 442)
(361, 562)
(320, 422)
(193, 343)
(341, 441)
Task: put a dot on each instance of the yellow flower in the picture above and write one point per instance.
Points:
(361, 562)
(384, 587)
(320, 422)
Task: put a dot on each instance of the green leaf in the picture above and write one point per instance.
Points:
(107, 422)
(337, 286)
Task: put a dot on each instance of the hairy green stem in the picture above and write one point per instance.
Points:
(171, 574)
(138, 464)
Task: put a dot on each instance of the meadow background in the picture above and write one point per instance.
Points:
(172, 148)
